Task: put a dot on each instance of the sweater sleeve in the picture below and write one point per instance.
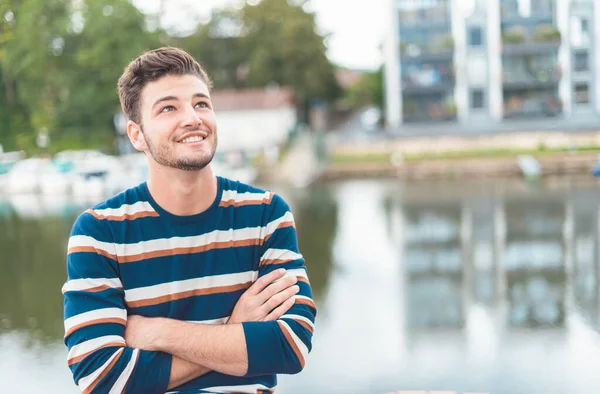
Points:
(282, 346)
(96, 316)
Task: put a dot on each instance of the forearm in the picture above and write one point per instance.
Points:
(220, 348)
(183, 371)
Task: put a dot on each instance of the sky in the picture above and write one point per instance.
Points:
(355, 27)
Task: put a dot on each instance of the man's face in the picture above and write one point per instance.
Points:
(178, 122)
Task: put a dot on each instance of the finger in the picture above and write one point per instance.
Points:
(276, 287)
(266, 280)
(281, 309)
(280, 298)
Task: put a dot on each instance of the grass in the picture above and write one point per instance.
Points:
(384, 157)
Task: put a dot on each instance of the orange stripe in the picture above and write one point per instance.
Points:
(187, 294)
(292, 343)
(303, 279)
(91, 249)
(304, 324)
(77, 359)
(107, 320)
(305, 301)
(189, 250)
(274, 261)
(229, 203)
(281, 225)
(104, 373)
(125, 216)
(101, 288)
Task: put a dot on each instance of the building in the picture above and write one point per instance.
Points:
(489, 60)
(254, 119)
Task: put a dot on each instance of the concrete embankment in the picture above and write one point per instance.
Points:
(559, 153)
(558, 164)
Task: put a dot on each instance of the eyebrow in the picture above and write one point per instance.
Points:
(174, 98)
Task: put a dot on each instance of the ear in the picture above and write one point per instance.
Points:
(136, 136)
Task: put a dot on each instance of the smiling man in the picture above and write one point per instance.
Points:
(189, 282)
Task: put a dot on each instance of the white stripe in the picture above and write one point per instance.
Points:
(280, 254)
(85, 241)
(250, 233)
(299, 343)
(121, 382)
(298, 317)
(85, 382)
(95, 315)
(250, 389)
(229, 195)
(90, 283)
(140, 206)
(222, 320)
(93, 344)
(208, 282)
(272, 226)
(296, 272)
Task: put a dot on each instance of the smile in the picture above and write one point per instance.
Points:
(195, 138)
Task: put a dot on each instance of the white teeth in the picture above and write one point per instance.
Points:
(193, 139)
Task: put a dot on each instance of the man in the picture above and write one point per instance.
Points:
(189, 282)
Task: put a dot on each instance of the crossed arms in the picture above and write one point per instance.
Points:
(199, 349)
(269, 331)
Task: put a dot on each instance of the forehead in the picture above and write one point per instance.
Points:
(181, 86)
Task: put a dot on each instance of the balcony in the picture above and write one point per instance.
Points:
(438, 14)
(437, 48)
(522, 107)
(519, 40)
(435, 108)
(424, 79)
(534, 79)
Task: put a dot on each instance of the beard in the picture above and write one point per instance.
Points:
(165, 155)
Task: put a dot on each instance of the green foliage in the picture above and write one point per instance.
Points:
(60, 61)
(547, 33)
(515, 35)
(59, 66)
(367, 91)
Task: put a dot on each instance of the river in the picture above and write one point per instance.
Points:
(487, 286)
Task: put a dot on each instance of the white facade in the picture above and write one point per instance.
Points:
(255, 129)
(482, 89)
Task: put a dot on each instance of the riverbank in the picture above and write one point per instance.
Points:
(452, 157)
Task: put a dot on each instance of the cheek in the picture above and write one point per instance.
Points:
(210, 120)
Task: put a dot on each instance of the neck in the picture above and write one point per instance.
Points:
(180, 192)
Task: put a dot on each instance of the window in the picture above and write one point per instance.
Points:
(477, 99)
(581, 61)
(582, 93)
(475, 37)
(585, 26)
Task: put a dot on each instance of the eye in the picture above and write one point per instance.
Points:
(202, 104)
(168, 108)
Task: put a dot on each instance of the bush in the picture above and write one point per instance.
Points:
(514, 35)
(546, 33)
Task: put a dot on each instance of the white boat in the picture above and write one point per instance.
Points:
(25, 176)
(91, 177)
(53, 182)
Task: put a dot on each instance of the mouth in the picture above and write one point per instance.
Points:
(192, 138)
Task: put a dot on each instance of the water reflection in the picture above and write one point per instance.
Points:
(489, 287)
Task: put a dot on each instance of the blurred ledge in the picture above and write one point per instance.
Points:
(483, 167)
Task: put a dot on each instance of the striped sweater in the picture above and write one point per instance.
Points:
(128, 256)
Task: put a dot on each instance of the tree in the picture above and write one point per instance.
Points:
(286, 49)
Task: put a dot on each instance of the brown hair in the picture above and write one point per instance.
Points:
(149, 67)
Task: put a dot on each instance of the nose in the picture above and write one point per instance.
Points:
(191, 119)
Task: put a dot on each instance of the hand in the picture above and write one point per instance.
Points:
(265, 300)
(143, 332)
